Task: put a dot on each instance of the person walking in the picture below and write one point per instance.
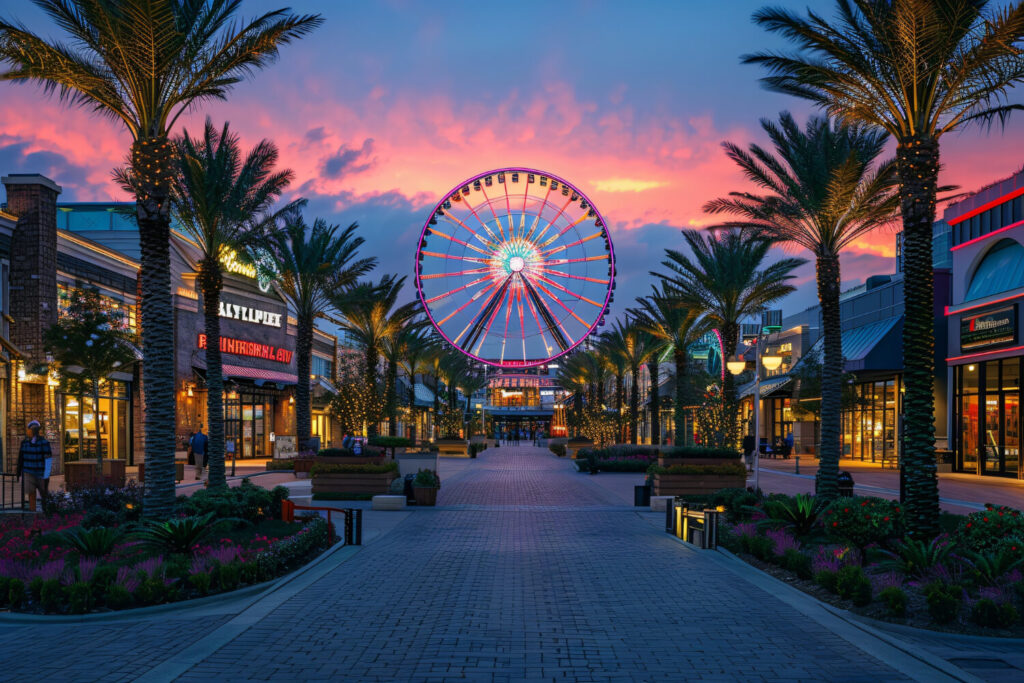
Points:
(34, 461)
(198, 444)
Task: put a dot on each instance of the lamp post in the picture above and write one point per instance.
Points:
(737, 366)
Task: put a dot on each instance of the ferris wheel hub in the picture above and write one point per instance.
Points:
(516, 264)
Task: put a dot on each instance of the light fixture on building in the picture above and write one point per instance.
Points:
(21, 373)
(737, 365)
(771, 362)
(291, 400)
(970, 368)
(188, 391)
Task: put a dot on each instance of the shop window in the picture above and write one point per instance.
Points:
(82, 424)
(1001, 270)
(992, 376)
(969, 379)
(1011, 373)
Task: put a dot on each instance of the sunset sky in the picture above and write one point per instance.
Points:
(390, 104)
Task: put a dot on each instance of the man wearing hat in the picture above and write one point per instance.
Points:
(32, 457)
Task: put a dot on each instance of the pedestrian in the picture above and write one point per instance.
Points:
(198, 444)
(189, 455)
(35, 458)
(789, 445)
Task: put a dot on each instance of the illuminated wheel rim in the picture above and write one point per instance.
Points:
(515, 267)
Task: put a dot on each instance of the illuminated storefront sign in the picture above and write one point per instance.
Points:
(249, 315)
(240, 347)
(990, 328)
(229, 261)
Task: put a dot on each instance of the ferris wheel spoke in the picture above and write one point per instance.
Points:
(469, 259)
(536, 218)
(474, 271)
(571, 293)
(563, 261)
(551, 240)
(557, 216)
(494, 213)
(522, 325)
(454, 221)
(550, 271)
(562, 304)
(557, 331)
(452, 238)
(578, 242)
(475, 325)
(508, 204)
(466, 305)
(478, 219)
(540, 328)
(457, 289)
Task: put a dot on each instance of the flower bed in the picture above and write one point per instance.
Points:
(629, 463)
(93, 552)
(854, 554)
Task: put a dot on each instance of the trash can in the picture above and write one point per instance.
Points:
(845, 483)
(642, 496)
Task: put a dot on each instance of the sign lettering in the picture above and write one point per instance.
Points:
(249, 315)
(996, 327)
(240, 347)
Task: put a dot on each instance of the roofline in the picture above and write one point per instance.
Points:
(98, 248)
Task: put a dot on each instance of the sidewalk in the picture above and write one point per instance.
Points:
(959, 493)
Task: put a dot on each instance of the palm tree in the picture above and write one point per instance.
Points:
(310, 265)
(144, 63)
(220, 199)
(918, 69)
(821, 193)
(637, 349)
(574, 376)
(610, 352)
(417, 348)
(727, 278)
(678, 325)
(372, 317)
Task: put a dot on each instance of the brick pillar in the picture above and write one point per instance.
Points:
(33, 287)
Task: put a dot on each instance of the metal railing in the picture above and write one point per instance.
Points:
(353, 527)
(12, 492)
(699, 527)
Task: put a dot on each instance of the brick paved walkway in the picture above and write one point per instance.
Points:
(527, 570)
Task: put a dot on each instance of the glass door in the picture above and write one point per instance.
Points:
(1011, 422)
(247, 425)
(969, 433)
(991, 435)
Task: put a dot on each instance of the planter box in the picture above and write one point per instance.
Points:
(452, 447)
(669, 462)
(353, 482)
(179, 471)
(114, 472)
(354, 460)
(573, 446)
(425, 495)
(411, 463)
(695, 484)
(303, 466)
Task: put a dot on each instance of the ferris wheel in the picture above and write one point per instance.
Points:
(515, 267)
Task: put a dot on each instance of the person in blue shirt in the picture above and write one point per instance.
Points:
(32, 456)
(199, 442)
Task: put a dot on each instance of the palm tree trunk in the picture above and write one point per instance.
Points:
(371, 360)
(392, 397)
(831, 376)
(303, 405)
(99, 426)
(679, 410)
(412, 409)
(620, 399)
(151, 168)
(634, 404)
(917, 162)
(730, 340)
(654, 370)
(211, 282)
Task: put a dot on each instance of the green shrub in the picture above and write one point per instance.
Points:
(943, 602)
(117, 597)
(228, 576)
(851, 584)
(895, 599)
(96, 542)
(427, 479)
(100, 517)
(728, 469)
(983, 531)
(15, 593)
(201, 582)
(324, 468)
(280, 464)
(826, 578)
(697, 452)
(800, 513)
(557, 448)
(151, 591)
(51, 595)
(862, 521)
(79, 597)
(176, 535)
(389, 441)
(914, 558)
(990, 567)
(246, 502)
(986, 612)
(760, 547)
(797, 562)
(737, 503)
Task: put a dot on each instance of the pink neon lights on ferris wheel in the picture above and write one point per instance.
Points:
(537, 267)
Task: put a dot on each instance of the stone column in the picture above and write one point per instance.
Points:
(33, 290)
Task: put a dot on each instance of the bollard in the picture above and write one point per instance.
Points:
(796, 458)
(359, 526)
(670, 518)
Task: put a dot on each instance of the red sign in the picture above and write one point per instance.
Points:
(240, 347)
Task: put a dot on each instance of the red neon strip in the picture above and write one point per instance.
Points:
(559, 302)
(560, 287)
(984, 353)
(557, 216)
(989, 205)
(954, 311)
(987, 235)
(459, 289)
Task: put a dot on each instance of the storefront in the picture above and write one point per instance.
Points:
(985, 329)
(82, 424)
(871, 422)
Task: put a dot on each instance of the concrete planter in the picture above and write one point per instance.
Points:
(353, 482)
(452, 447)
(669, 462)
(411, 463)
(695, 484)
(425, 495)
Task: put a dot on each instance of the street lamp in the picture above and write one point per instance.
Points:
(737, 366)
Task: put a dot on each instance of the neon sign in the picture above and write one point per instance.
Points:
(229, 261)
(240, 347)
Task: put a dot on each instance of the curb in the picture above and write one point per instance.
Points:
(180, 608)
(887, 649)
(932, 635)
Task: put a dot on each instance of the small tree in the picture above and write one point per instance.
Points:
(88, 342)
(715, 422)
(357, 404)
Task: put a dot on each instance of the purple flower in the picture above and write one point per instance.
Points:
(880, 582)
(745, 529)
(127, 578)
(86, 568)
(782, 541)
(150, 566)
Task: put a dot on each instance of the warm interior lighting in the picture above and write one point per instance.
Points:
(771, 362)
(188, 391)
(737, 365)
(291, 400)
(970, 368)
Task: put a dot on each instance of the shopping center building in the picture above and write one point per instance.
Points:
(48, 248)
(984, 328)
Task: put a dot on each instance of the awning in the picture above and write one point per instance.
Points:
(242, 372)
(875, 346)
(423, 396)
(324, 384)
(768, 386)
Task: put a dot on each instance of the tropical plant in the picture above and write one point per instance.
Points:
(96, 542)
(916, 557)
(427, 479)
(727, 278)
(990, 568)
(93, 337)
(220, 198)
(639, 345)
(396, 347)
(144, 63)
(177, 536)
(801, 513)
(417, 347)
(610, 353)
(918, 69)
(678, 325)
(821, 192)
(310, 265)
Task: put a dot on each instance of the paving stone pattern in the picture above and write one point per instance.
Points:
(527, 571)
